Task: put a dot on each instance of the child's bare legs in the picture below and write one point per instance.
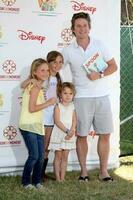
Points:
(48, 131)
(64, 161)
(60, 164)
(57, 165)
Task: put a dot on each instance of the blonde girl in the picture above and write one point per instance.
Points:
(31, 123)
(55, 61)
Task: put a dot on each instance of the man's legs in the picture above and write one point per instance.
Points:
(103, 148)
(85, 108)
(82, 150)
(103, 125)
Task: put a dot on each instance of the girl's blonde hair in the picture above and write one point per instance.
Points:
(35, 65)
(63, 86)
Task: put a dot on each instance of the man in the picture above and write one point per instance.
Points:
(91, 100)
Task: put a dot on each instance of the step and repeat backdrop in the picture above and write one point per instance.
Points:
(30, 29)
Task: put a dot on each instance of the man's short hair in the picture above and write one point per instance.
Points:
(80, 15)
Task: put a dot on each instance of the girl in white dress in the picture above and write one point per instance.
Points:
(63, 135)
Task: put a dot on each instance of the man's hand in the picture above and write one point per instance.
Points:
(93, 76)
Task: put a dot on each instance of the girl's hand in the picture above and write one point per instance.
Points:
(68, 137)
(52, 101)
(70, 134)
(36, 83)
(72, 131)
(92, 133)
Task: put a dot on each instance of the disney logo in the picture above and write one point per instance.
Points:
(29, 36)
(81, 6)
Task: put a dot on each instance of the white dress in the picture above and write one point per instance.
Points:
(57, 140)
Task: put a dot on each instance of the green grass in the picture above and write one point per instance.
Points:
(126, 147)
(120, 189)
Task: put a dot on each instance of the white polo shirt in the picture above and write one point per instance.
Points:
(75, 56)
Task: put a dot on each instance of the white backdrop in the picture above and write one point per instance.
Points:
(30, 29)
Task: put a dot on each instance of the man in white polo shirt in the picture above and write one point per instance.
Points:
(91, 100)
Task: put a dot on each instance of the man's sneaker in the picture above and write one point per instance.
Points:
(29, 186)
(39, 186)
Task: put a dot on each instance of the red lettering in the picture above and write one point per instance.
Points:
(29, 36)
(77, 7)
(13, 9)
(6, 9)
(92, 60)
(10, 142)
(23, 35)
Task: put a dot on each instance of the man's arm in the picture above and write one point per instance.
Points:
(112, 67)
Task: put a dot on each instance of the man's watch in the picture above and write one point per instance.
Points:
(101, 74)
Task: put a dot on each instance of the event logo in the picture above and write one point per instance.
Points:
(10, 134)
(47, 8)
(8, 2)
(66, 36)
(9, 7)
(82, 7)
(47, 5)
(1, 100)
(9, 66)
(30, 36)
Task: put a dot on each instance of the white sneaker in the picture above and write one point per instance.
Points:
(39, 186)
(29, 186)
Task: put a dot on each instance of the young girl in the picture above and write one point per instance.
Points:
(31, 123)
(55, 61)
(63, 135)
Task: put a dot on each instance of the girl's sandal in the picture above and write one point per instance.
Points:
(83, 178)
(106, 179)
